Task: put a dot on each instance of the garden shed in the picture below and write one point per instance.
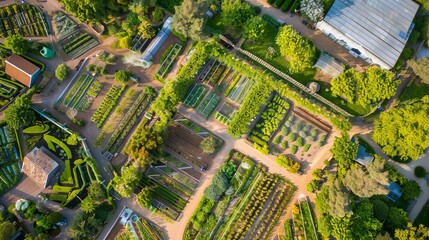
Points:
(329, 65)
(22, 70)
(377, 29)
(40, 166)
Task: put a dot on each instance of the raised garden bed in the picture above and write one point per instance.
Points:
(195, 95)
(168, 61)
(208, 105)
(107, 105)
(25, 20)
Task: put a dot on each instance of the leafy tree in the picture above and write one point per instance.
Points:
(344, 152)
(208, 145)
(255, 28)
(88, 205)
(127, 182)
(288, 163)
(362, 184)
(377, 172)
(84, 226)
(386, 236)
(17, 44)
(404, 131)
(189, 19)
(333, 200)
(420, 172)
(145, 197)
(317, 174)
(123, 76)
(312, 10)
(364, 225)
(94, 11)
(381, 209)
(145, 29)
(340, 228)
(312, 186)
(235, 13)
(41, 236)
(412, 233)
(411, 190)
(396, 219)
(125, 42)
(299, 51)
(157, 14)
(62, 71)
(7, 230)
(96, 192)
(19, 114)
(218, 186)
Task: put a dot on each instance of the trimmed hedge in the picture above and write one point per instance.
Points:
(38, 129)
(285, 5)
(278, 3)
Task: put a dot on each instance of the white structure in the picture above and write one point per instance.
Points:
(329, 65)
(145, 60)
(375, 30)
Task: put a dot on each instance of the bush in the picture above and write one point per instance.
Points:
(303, 134)
(285, 5)
(284, 144)
(312, 186)
(309, 139)
(277, 139)
(285, 131)
(294, 149)
(292, 137)
(61, 72)
(270, 1)
(411, 190)
(313, 132)
(420, 172)
(306, 147)
(300, 142)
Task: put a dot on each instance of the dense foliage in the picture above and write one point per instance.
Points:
(312, 9)
(235, 13)
(403, 132)
(189, 19)
(94, 11)
(208, 145)
(288, 163)
(17, 44)
(365, 89)
(362, 183)
(127, 181)
(344, 152)
(299, 51)
(255, 28)
(19, 114)
(62, 71)
(123, 76)
(420, 68)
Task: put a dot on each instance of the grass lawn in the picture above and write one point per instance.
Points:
(416, 90)
(260, 49)
(423, 217)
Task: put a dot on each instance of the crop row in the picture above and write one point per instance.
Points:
(83, 48)
(25, 20)
(195, 95)
(107, 105)
(165, 65)
(92, 93)
(76, 42)
(208, 105)
(75, 89)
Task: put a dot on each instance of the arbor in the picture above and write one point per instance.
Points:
(189, 19)
(62, 71)
(123, 76)
(17, 44)
(365, 89)
(411, 190)
(362, 184)
(412, 233)
(344, 152)
(299, 51)
(7, 230)
(403, 131)
(208, 145)
(127, 182)
(19, 113)
(312, 10)
(255, 28)
(145, 197)
(235, 13)
(420, 68)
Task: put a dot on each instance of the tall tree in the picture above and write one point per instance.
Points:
(127, 182)
(364, 225)
(344, 152)
(404, 131)
(19, 113)
(299, 51)
(17, 44)
(84, 226)
(345, 84)
(396, 219)
(255, 28)
(312, 9)
(189, 19)
(412, 232)
(235, 13)
(333, 200)
(88, 205)
(145, 197)
(7, 230)
(96, 192)
(362, 184)
(420, 68)
(377, 172)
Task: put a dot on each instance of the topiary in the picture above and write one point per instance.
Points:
(313, 132)
(292, 137)
(306, 147)
(300, 142)
(302, 134)
(309, 139)
(285, 131)
(294, 149)
(306, 128)
(284, 145)
(420, 172)
(277, 139)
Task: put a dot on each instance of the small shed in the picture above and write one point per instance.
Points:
(362, 156)
(40, 166)
(329, 65)
(394, 191)
(22, 70)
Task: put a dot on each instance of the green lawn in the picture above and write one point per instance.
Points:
(423, 217)
(260, 49)
(416, 90)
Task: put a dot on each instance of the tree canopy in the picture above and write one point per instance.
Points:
(299, 51)
(208, 145)
(145, 197)
(333, 200)
(189, 19)
(123, 76)
(17, 44)
(62, 71)
(344, 152)
(19, 113)
(403, 132)
(412, 233)
(7, 230)
(420, 68)
(127, 182)
(365, 89)
(235, 13)
(255, 28)
(94, 11)
(363, 184)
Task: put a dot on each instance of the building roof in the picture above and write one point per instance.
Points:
(20, 69)
(394, 191)
(329, 65)
(378, 28)
(38, 165)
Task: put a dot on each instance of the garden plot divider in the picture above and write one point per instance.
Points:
(165, 65)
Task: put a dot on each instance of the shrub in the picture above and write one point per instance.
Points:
(294, 149)
(411, 190)
(309, 139)
(302, 134)
(306, 147)
(313, 132)
(285, 131)
(278, 3)
(284, 144)
(420, 172)
(300, 142)
(292, 137)
(286, 5)
(277, 139)
(312, 186)
(288, 123)
(306, 128)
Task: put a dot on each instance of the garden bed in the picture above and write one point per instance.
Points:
(25, 20)
(239, 88)
(208, 105)
(195, 95)
(225, 113)
(107, 105)
(168, 61)
(9, 89)
(74, 97)
(77, 43)
(10, 158)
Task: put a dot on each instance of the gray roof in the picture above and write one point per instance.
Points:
(382, 27)
(329, 65)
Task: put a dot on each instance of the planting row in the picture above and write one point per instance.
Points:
(195, 95)
(78, 90)
(90, 95)
(64, 26)
(25, 20)
(10, 156)
(107, 105)
(225, 113)
(169, 59)
(208, 105)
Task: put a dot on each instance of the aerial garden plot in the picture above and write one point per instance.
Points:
(195, 95)
(302, 224)
(83, 92)
(239, 88)
(9, 89)
(10, 155)
(225, 113)
(109, 102)
(26, 20)
(80, 170)
(243, 201)
(74, 41)
(301, 134)
(209, 104)
(168, 59)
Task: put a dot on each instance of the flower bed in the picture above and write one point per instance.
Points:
(208, 105)
(195, 96)
(26, 20)
(107, 105)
